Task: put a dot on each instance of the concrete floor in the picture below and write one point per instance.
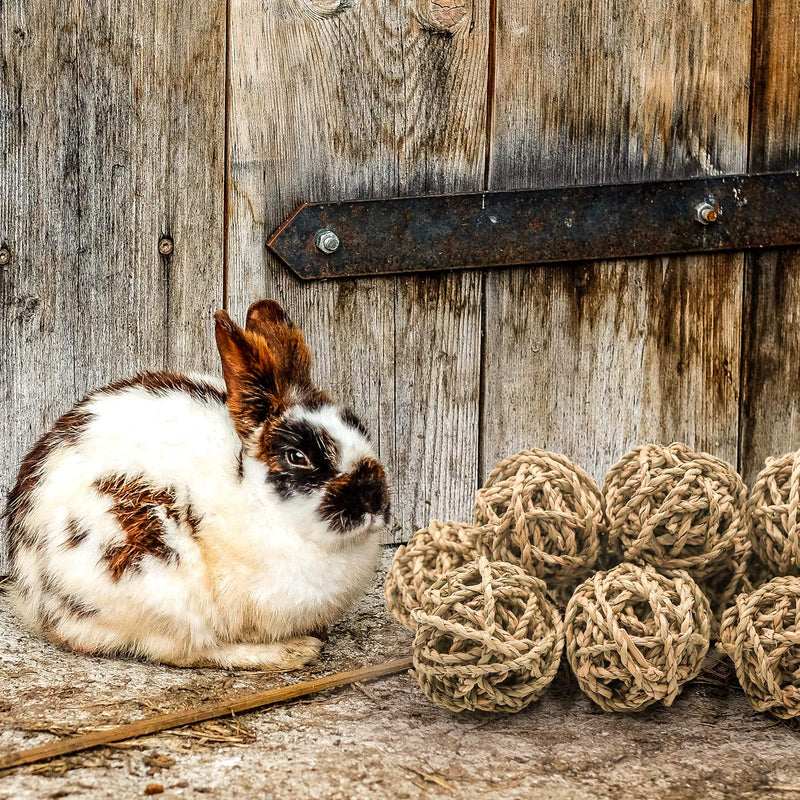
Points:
(383, 739)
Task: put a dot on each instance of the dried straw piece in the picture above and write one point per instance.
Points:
(545, 514)
(774, 515)
(430, 553)
(488, 639)
(761, 635)
(634, 636)
(678, 510)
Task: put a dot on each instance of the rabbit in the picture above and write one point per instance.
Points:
(196, 522)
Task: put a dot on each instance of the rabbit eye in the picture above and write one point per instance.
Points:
(297, 458)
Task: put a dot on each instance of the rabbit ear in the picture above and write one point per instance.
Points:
(265, 313)
(252, 376)
(267, 319)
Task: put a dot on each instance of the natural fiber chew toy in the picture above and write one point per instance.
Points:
(634, 636)
(774, 515)
(761, 635)
(545, 514)
(677, 509)
(488, 639)
(430, 553)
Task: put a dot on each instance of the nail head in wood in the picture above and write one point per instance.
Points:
(5, 255)
(165, 246)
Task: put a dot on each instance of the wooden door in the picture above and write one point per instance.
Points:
(171, 123)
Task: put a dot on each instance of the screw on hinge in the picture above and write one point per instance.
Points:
(5, 256)
(707, 212)
(326, 241)
(165, 245)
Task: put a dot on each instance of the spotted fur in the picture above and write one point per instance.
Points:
(165, 517)
(144, 514)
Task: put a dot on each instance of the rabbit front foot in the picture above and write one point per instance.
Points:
(278, 656)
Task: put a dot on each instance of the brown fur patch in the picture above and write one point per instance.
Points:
(66, 431)
(136, 506)
(159, 383)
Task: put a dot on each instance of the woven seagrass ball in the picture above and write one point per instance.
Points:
(774, 515)
(761, 635)
(429, 554)
(635, 636)
(544, 513)
(488, 639)
(677, 509)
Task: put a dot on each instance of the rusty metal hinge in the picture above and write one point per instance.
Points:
(499, 229)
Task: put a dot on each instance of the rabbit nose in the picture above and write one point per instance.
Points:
(376, 498)
(351, 496)
(371, 479)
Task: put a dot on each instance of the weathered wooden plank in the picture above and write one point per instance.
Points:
(590, 361)
(332, 100)
(112, 135)
(770, 419)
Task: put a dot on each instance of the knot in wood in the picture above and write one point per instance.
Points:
(761, 635)
(488, 638)
(323, 9)
(545, 515)
(635, 636)
(444, 16)
(773, 512)
(429, 554)
(675, 509)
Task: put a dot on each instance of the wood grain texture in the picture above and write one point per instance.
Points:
(590, 359)
(331, 99)
(112, 134)
(770, 416)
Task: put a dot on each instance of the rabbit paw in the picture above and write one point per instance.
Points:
(278, 656)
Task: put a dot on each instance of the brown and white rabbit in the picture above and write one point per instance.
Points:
(200, 524)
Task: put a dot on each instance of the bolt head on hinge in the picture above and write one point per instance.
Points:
(707, 212)
(326, 241)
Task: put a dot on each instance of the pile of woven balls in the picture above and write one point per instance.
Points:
(634, 582)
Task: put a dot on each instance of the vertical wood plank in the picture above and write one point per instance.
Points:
(331, 99)
(770, 419)
(590, 359)
(112, 134)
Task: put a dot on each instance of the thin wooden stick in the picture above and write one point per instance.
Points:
(200, 713)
